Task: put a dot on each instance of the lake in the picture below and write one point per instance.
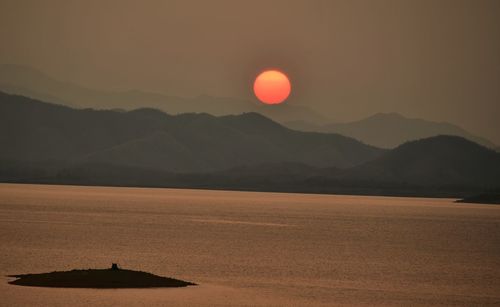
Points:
(248, 248)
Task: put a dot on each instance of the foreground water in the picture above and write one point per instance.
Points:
(251, 248)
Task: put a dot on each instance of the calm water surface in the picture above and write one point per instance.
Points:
(251, 249)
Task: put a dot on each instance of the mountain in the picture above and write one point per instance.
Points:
(39, 133)
(26, 81)
(438, 166)
(388, 130)
(48, 143)
(439, 160)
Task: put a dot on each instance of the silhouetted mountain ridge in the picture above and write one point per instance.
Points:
(26, 81)
(49, 143)
(434, 161)
(441, 165)
(388, 130)
(36, 131)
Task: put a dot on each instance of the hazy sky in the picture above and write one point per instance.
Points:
(438, 60)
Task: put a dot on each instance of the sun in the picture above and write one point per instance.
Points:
(272, 87)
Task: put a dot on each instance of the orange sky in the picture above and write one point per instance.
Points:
(437, 60)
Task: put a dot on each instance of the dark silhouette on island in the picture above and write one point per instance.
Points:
(112, 278)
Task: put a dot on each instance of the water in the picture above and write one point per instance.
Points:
(248, 249)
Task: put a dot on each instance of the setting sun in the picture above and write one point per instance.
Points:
(272, 87)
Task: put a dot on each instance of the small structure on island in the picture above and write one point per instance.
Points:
(114, 266)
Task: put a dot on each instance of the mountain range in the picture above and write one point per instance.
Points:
(389, 130)
(436, 166)
(44, 142)
(35, 131)
(385, 130)
(27, 81)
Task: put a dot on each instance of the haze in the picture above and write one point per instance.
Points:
(437, 60)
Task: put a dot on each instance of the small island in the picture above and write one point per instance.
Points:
(112, 278)
(485, 198)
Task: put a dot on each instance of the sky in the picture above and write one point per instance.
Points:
(432, 59)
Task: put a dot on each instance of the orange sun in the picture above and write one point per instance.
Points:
(272, 87)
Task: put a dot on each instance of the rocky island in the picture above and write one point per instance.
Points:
(98, 278)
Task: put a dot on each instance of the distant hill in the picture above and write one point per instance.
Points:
(48, 143)
(388, 130)
(439, 160)
(438, 166)
(48, 134)
(26, 81)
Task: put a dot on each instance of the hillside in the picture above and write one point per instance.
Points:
(26, 81)
(389, 130)
(38, 132)
(440, 160)
(43, 142)
(440, 166)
